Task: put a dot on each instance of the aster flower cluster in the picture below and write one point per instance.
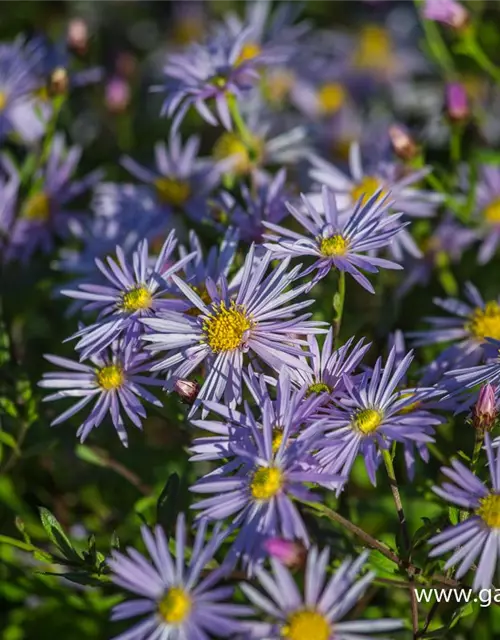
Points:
(197, 283)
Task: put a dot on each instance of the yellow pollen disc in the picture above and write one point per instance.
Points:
(485, 323)
(306, 625)
(37, 207)
(331, 97)
(489, 510)
(317, 388)
(243, 156)
(368, 420)
(172, 191)
(492, 212)
(249, 51)
(225, 327)
(3, 100)
(110, 377)
(333, 246)
(366, 189)
(374, 49)
(175, 606)
(136, 299)
(277, 438)
(278, 85)
(266, 483)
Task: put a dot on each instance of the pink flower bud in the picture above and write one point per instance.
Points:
(187, 390)
(288, 552)
(78, 36)
(403, 144)
(485, 412)
(117, 95)
(448, 12)
(457, 103)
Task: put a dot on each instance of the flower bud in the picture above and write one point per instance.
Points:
(187, 390)
(485, 413)
(78, 36)
(58, 82)
(403, 144)
(457, 103)
(288, 552)
(448, 12)
(117, 95)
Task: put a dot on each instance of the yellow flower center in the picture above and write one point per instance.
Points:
(374, 49)
(244, 156)
(266, 483)
(175, 606)
(492, 212)
(317, 388)
(331, 97)
(249, 51)
(136, 299)
(3, 100)
(278, 85)
(110, 377)
(368, 420)
(306, 625)
(333, 246)
(225, 328)
(485, 323)
(489, 510)
(366, 189)
(277, 438)
(37, 207)
(410, 407)
(172, 191)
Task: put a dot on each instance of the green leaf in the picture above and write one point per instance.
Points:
(166, 507)
(87, 454)
(57, 535)
(8, 407)
(9, 440)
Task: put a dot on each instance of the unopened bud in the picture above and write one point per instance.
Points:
(403, 144)
(457, 103)
(78, 36)
(58, 82)
(448, 12)
(485, 412)
(117, 95)
(187, 390)
(288, 552)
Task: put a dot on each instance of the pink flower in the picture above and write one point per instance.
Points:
(448, 12)
(485, 411)
(291, 554)
(457, 103)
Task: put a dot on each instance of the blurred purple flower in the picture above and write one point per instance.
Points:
(448, 12)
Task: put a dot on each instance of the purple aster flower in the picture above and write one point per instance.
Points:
(487, 212)
(216, 264)
(214, 71)
(470, 377)
(318, 613)
(477, 536)
(323, 374)
(257, 321)
(114, 381)
(448, 12)
(383, 177)
(180, 601)
(445, 246)
(457, 102)
(45, 213)
(264, 202)
(287, 409)
(468, 325)
(181, 180)
(338, 243)
(134, 290)
(269, 33)
(19, 82)
(371, 415)
(257, 485)
(9, 187)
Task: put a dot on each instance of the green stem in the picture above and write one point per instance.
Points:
(472, 48)
(478, 445)
(436, 44)
(386, 455)
(338, 306)
(456, 143)
(240, 124)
